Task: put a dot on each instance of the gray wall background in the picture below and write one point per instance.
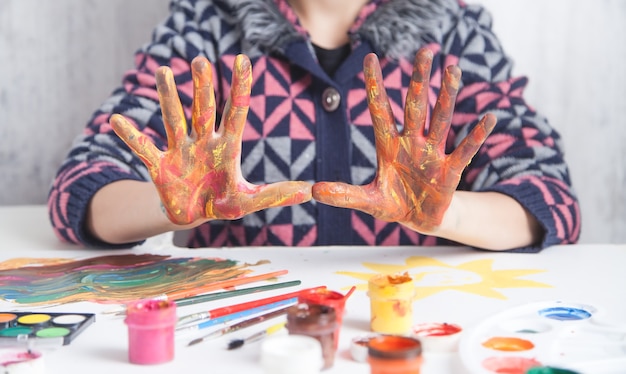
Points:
(59, 59)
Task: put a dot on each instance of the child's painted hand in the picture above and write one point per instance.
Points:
(415, 178)
(199, 175)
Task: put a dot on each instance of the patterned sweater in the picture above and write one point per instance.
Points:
(292, 135)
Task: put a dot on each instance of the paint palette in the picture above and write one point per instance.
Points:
(559, 336)
(43, 328)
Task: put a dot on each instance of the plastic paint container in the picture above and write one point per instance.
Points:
(394, 354)
(333, 299)
(391, 303)
(151, 325)
(288, 354)
(317, 321)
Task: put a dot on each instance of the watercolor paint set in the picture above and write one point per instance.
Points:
(565, 337)
(42, 328)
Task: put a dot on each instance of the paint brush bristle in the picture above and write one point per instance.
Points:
(243, 324)
(234, 344)
(238, 343)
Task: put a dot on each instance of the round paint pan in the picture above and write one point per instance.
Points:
(7, 320)
(53, 332)
(565, 313)
(68, 320)
(16, 331)
(34, 320)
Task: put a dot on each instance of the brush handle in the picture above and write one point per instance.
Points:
(229, 317)
(261, 334)
(255, 320)
(220, 312)
(225, 294)
(243, 324)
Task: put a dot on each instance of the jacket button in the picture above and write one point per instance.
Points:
(330, 99)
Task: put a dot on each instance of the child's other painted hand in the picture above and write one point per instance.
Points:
(415, 178)
(199, 175)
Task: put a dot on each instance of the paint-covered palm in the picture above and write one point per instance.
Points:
(199, 175)
(415, 178)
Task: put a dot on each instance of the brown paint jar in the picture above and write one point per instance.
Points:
(394, 354)
(317, 321)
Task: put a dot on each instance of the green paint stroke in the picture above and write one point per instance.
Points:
(113, 279)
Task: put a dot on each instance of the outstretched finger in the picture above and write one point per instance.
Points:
(442, 114)
(416, 110)
(236, 110)
(276, 195)
(468, 147)
(173, 115)
(138, 142)
(344, 195)
(385, 129)
(203, 108)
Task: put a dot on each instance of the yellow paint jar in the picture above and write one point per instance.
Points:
(391, 303)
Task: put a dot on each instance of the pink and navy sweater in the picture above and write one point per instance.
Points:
(292, 135)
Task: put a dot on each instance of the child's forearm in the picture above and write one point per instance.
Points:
(127, 211)
(489, 220)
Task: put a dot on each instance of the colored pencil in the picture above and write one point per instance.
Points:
(238, 343)
(233, 316)
(219, 312)
(240, 325)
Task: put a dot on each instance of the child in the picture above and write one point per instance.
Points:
(320, 111)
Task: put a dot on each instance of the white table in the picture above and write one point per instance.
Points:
(593, 274)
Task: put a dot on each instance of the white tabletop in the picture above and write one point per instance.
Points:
(454, 284)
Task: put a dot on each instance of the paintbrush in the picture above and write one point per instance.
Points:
(233, 316)
(120, 311)
(219, 312)
(201, 295)
(238, 343)
(224, 294)
(240, 325)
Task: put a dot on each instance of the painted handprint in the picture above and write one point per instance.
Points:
(415, 178)
(199, 175)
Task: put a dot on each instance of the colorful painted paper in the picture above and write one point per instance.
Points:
(111, 278)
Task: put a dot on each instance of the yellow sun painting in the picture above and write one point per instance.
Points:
(432, 276)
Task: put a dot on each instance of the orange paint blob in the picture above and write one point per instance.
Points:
(508, 344)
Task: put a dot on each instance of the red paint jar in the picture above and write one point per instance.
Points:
(333, 299)
(151, 325)
(394, 354)
(317, 321)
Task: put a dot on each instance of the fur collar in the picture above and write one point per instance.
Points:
(396, 29)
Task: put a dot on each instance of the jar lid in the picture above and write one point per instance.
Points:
(391, 347)
(286, 353)
(150, 312)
